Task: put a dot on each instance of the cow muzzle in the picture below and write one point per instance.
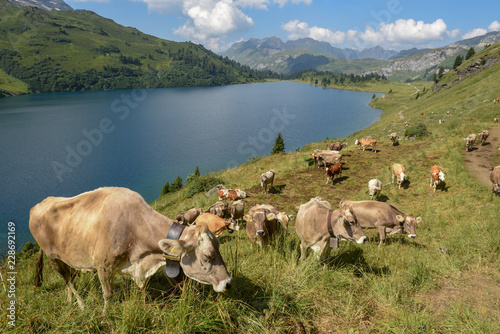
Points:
(224, 285)
(362, 240)
(412, 236)
(260, 232)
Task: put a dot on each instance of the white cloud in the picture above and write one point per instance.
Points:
(474, 33)
(494, 26)
(401, 33)
(298, 29)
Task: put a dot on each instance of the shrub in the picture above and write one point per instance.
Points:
(418, 131)
(202, 184)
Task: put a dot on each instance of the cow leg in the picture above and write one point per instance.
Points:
(105, 277)
(65, 271)
(303, 251)
(381, 231)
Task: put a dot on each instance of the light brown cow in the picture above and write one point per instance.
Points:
(312, 228)
(114, 230)
(365, 142)
(219, 209)
(393, 137)
(236, 211)
(261, 225)
(216, 224)
(332, 170)
(383, 216)
(281, 216)
(337, 146)
(495, 120)
(266, 179)
(374, 188)
(483, 136)
(469, 141)
(188, 217)
(437, 176)
(323, 157)
(398, 171)
(495, 180)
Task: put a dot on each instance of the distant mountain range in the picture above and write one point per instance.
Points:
(306, 53)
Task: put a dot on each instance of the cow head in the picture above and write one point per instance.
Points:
(283, 218)
(260, 218)
(231, 225)
(356, 142)
(374, 191)
(347, 227)
(441, 176)
(401, 177)
(408, 225)
(199, 257)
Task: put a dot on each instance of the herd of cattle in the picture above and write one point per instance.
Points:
(114, 230)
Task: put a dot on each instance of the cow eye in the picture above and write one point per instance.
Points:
(209, 257)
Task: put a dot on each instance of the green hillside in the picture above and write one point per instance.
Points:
(447, 280)
(54, 51)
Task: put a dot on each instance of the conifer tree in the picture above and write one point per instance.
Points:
(279, 145)
(470, 53)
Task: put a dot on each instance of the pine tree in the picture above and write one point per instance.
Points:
(177, 184)
(441, 72)
(470, 53)
(166, 189)
(279, 145)
(458, 61)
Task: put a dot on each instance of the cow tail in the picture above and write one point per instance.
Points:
(39, 270)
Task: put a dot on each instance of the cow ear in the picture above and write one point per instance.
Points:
(271, 216)
(418, 219)
(400, 218)
(247, 218)
(171, 247)
(291, 216)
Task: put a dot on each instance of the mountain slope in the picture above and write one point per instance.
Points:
(80, 50)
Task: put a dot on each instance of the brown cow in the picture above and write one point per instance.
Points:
(323, 157)
(236, 210)
(437, 176)
(266, 179)
(188, 217)
(332, 170)
(337, 146)
(218, 209)
(495, 120)
(382, 216)
(261, 225)
(365, 142)
(469, 142)
(483, 136)
(216, 224)
(312, 227)
(230, 194)
(398, 171)
(281, 216)
(495, 179)
(114, 230)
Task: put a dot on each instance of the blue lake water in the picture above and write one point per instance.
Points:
(63, 144)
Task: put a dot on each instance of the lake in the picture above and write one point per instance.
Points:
(63, 144)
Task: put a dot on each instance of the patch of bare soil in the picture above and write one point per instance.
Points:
(479, 161)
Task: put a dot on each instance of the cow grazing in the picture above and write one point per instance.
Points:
(495, 120)
(188, 217)
(497, 99)
(383, 216)
(312, 227)
(114, 230)
(448, 113)
(323, 157)
(218, 209)
(337, 146)
(483, 136)
(365, 142)
(393, 137)
(266, 179)
(437, 176)
(398, 171)
(332, 170)
(495, 180)
(469, 141)
(216, 224)
(374, 188)
(236, 210)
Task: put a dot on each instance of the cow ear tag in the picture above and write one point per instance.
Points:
(334, 242)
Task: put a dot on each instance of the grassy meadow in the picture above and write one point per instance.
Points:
(447, 280)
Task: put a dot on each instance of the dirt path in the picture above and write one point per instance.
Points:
(480, 160)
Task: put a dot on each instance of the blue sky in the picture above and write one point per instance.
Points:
(357, 24)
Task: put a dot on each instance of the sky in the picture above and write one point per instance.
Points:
(356, 24)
